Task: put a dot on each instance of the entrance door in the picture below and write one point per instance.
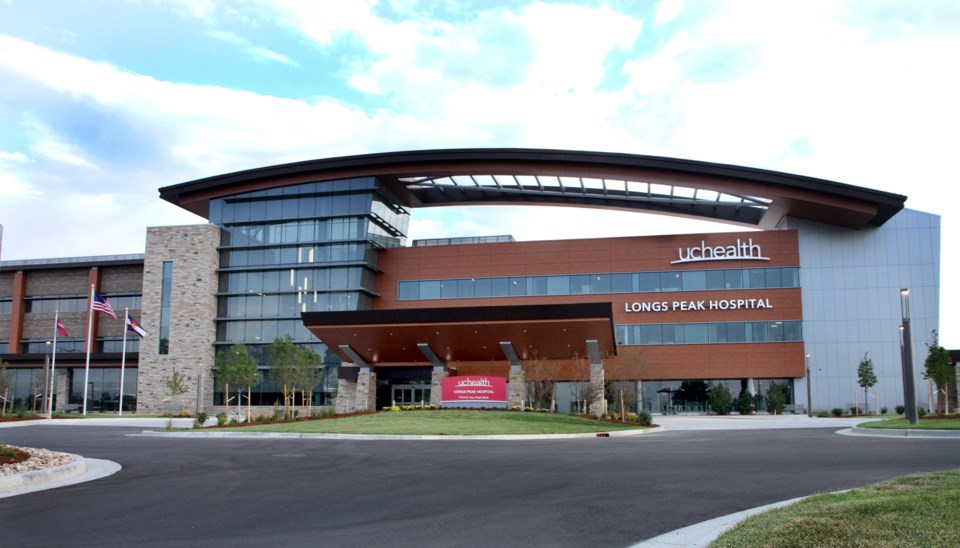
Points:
(411, 393)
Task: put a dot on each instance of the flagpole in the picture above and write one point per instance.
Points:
(53, 359)
(123, 357)
(86, 370)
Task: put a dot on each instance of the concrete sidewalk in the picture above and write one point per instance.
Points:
(754, 422)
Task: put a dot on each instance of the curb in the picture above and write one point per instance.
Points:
(703, 533)
(33, 478)
(904, 433)
(60, 476)
(504, 437)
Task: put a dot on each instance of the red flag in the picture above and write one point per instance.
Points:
(61, 329)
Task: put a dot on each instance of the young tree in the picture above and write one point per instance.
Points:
(541, 388)
(746, 403)
(720, 400)
(233, 366)
(282, 360)
(245, 376)
(176, 383)
(307, 372)
(4, 387)
(776, 399)
(937, 368)
(866, 378)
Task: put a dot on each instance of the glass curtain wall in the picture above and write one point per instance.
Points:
(310, 247)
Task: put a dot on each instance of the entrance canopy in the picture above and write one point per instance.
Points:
(437, 336)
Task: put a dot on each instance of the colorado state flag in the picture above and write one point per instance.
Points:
(134, 326)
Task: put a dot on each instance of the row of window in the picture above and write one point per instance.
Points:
(292, 232)
(259, 351)
(284, 306)
(273, 256)
(295, 207)
(73, 345)
(580, 284)
(266, 392)
(103, 388)
(299, 280)
(265, 331)
(709, 333)
(79, 304)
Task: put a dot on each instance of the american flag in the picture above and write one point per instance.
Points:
(101, 305)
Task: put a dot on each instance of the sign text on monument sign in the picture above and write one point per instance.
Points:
(474, 391)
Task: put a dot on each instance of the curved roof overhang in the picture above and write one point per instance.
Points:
(473, 333)
(726, 193)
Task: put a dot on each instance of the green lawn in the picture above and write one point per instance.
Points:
(922, 424)
(445, 423)
(915, 510)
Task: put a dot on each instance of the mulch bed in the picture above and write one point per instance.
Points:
(17, 456)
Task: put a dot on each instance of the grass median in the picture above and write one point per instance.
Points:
(444, 423)
(915, 510)
(924, 423)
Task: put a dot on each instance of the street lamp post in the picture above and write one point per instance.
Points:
(909, 390)
(806, 360)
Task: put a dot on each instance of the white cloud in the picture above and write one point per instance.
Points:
(668, 10)
(257, 53)
(848, 91)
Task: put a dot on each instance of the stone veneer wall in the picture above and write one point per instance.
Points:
(193, 308)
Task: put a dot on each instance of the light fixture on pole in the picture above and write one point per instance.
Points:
(909, 391)
(806, 361)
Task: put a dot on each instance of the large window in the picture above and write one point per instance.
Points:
(165, 297)
(310, 247)
(604, 283)
(103, 388)
(709, 333)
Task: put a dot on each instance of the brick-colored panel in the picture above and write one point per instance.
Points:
(636, 254)
(193, 251)
(667, 362)
(66, 282)
(122, 279)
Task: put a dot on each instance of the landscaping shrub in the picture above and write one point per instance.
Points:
(921, 412)
(746, 403)
(823, 413)
(200, 420)
(633, 417)
(900, 409)
(720, 400)
(221, 419)
(883, 410)
(836, 412)
(645, 418)
(776, 399)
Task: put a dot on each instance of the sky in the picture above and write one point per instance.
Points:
(102, 102)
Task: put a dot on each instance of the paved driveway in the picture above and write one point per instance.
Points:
(599, 491)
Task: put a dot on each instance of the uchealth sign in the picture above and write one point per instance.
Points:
(735, 251)
(474, 392)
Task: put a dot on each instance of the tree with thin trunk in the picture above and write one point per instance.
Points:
(866, 378)
(937, 368)
(282, 360)
(307, 373)
(4, 387)
(540, 385)
(232, 367)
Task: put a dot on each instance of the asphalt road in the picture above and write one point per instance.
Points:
(581, 492)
